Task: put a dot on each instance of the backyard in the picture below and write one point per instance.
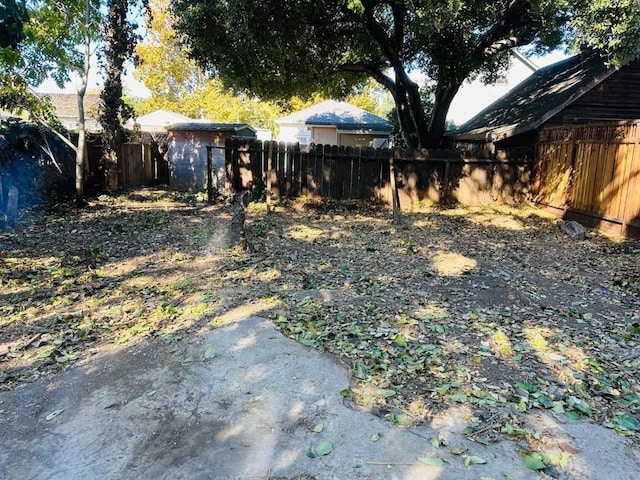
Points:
(491, 308)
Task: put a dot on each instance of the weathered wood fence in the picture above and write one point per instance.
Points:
(353, 173)
(139, 164)
(590, 173)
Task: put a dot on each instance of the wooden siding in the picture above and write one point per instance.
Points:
(358, 173)
(591, 173)
(617, 98)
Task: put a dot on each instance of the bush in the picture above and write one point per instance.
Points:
(26, 162)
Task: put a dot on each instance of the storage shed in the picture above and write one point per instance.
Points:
(188, 144)
(579, 119)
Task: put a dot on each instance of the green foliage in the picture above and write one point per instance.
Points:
(278, 49)
(178, 84)
(13, 15)
(51, 39)
(612, 26)
(24, 163)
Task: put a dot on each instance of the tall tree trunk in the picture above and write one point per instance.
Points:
(443, 97)
(81, 151)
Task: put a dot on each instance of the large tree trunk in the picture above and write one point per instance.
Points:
(81, 151)
(411, 115)
(437, 124)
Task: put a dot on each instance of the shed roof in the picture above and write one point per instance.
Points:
(207, 126)
(339, 114)
(537, 99)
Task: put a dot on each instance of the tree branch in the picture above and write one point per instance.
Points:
(373, 72)
(517, 27)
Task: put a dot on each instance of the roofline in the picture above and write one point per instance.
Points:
(504, 132)
(208, 127)
(533, 124)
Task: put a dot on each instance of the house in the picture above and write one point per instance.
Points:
(188, 142)
(475, 96)
(66, 106)
(579, 90)
(580, 120)
(157, 121)
(335, 123)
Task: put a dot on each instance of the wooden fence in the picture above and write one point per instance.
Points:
(352, 173)
(590, 173)
(139, 164)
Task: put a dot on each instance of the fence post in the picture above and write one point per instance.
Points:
(269, 170)
(209, 174)
(394, 191)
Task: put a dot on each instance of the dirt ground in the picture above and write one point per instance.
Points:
(493, 310)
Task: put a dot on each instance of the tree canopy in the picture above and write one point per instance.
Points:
(177, 83)
(13, 15)
(276, 49)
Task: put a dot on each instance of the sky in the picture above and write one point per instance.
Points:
(136, 89)
(132, 87)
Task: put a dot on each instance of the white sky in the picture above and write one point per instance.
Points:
(135, 88)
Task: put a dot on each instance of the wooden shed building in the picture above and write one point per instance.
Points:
(580, 120)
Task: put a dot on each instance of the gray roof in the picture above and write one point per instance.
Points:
(66, 104)
(209, 126)
(536, 99)
(342, 115)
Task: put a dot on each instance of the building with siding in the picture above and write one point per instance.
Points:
(580, 120)
(335, 123)
(187, 152)
(579, 90)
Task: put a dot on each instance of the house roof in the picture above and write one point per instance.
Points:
(342, 115)
(163, 116)
(536, 99)
(66, 104)
(205, 125)
(157, 120)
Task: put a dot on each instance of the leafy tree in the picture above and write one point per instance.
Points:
(57, 42)
(277, 49)
(177, 83)
(120, 41)
(163, 66)
(13, 16)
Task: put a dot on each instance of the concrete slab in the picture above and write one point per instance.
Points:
(242, 402)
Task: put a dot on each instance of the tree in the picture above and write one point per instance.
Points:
(276, 49)
(13, 16)
(178, 84)
(120, 41)
(164, 66)
(57, 41)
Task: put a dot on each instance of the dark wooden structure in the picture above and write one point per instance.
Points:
(578, 118)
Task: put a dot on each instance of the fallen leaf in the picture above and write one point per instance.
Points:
(210, 353)
(431, 461)
(322, 448)
(473, 460)
(54, 414)
(534, 462)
